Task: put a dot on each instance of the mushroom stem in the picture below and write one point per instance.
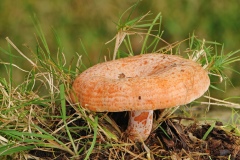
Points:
(140, 125)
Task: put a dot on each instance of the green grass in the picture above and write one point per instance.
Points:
(36, 115)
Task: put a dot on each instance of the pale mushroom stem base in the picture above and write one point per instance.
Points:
(140, 125)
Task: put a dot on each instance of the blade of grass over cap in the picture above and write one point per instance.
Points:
(144, 46)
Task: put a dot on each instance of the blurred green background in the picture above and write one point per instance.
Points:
(94, 21)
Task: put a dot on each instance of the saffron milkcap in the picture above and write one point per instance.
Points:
(140, 84)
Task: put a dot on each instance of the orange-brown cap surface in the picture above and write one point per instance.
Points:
(143, 82)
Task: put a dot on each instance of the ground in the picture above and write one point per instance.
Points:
(172, 140)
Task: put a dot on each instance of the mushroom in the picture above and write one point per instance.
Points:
(140, 84)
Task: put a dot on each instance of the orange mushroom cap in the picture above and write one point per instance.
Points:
(140, 84)
(144, 82)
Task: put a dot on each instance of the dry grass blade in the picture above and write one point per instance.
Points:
(218, 102)
(15, 47)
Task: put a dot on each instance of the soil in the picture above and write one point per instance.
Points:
(187, 141)
(172, 140)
